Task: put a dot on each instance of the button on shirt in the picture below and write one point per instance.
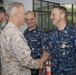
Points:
(35, 41)
(62, 47)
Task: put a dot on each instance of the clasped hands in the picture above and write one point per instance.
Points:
(41, 67)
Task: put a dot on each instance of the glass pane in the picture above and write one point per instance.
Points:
(56, 4)
(44, 6)
(38, 15)
(74, 15)
(37, 5)
(43, 11)
(69, 9)
(74, 20)
(50, 23)
(1, 3)
(45, 21)
(69, 19)
(74, 7)
(47, 24)
(50, 6)
(68, 6)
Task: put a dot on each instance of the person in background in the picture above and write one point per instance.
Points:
(60, 44)
(34, 35)
(3, 21)
(15, 53)
(3, 18)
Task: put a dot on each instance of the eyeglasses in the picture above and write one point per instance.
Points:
(31, 19)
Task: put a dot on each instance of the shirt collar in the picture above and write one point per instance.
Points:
(33, 29)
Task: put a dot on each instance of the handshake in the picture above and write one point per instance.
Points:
(41, 67)
(42, 61)
(45, 57)
(41, 64)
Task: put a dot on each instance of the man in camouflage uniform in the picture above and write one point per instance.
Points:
(15, 53)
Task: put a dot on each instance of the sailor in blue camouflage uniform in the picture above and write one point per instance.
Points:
(60, 44)
(34, 36)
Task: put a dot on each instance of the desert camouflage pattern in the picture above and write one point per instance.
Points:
(15, 53)
(2, 26)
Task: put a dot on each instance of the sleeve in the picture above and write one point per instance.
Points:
(75, 47)
(48, 44)
(42, 37)
(22, 52)
(0, 53)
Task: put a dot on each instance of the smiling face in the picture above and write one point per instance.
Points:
(30, 19)
(56, 16)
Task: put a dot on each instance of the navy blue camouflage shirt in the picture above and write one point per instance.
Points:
(61, 44)
(35, 41)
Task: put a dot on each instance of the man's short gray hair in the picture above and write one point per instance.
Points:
(13, 7)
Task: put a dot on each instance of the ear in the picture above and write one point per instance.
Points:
(16, 14)
(35, 19)
(62, 15)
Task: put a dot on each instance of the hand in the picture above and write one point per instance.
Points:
(41, 66)
(41, 71)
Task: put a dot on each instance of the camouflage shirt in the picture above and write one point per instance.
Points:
(2, 25)
(15, 53)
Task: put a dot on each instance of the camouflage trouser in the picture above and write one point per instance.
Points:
(34, 71)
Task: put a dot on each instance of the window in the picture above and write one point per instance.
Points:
(43, 11)
(71, 13)
(1, 3)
